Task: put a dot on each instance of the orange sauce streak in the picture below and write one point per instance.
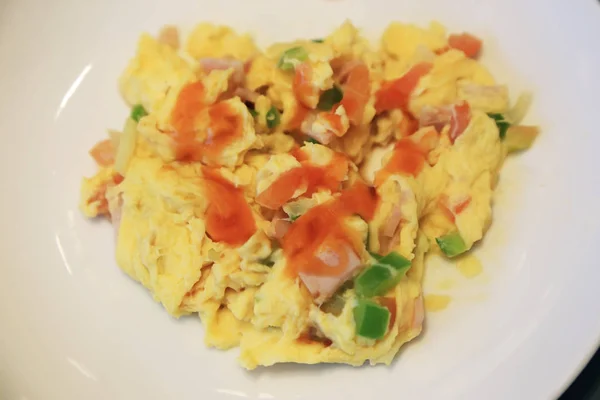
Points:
(282, 190)
(302, 84)
(460, 207)
(335, 121)
(228, 216)
(445, 208)
(408, 125)
(396, 93)
(322, 227)
(224, 127)
(465, 42)
(313, 176)
(356, 93)
(450, 211)
(407, 158)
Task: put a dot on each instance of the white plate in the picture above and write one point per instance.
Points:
(72, 326)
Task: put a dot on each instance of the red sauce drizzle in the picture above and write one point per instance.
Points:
(224, 125)
(324, 226)
(228, 216)
(408, 157)
(315, 177)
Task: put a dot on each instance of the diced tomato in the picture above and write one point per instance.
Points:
(396, 93)
(461, 116)
(103, 153)
(356, 92)
(465, 42)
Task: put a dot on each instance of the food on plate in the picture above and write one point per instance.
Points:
(289, 195)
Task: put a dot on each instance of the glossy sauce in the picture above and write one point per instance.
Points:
(357, 90)
(323, 227)
(228, 216)
(304, 91)
(224, 125)
(282, 189)
(396, 94)
(323, 177)
(335, 122)
(314, 177)
(300, 114)
(408, 157)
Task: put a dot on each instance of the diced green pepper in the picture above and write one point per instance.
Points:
(273, 118)
(253, 112)
(501, 123)
(329, 98)
(318, 40)
(392, 259)
(294, 217)
(382, 276)
(371, 319)
(291, 58)
(452, 244)
(375, 280)
(520, 137)
(137, 112)
(312, 140)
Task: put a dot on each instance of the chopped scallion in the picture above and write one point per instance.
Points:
(371, 319)
(501, 123)
(452, 244)
(291, 58)
(137, 112)
(273, 118)
(329, 98)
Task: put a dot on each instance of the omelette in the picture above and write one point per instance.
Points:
(289, 195)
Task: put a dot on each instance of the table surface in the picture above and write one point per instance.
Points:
(587, 384)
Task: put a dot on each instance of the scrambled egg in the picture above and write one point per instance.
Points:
(289, 196)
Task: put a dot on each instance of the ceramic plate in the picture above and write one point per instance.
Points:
(72, 326)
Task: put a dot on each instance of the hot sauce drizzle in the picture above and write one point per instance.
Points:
(201, 132)
(229, 218)
(322, 229)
